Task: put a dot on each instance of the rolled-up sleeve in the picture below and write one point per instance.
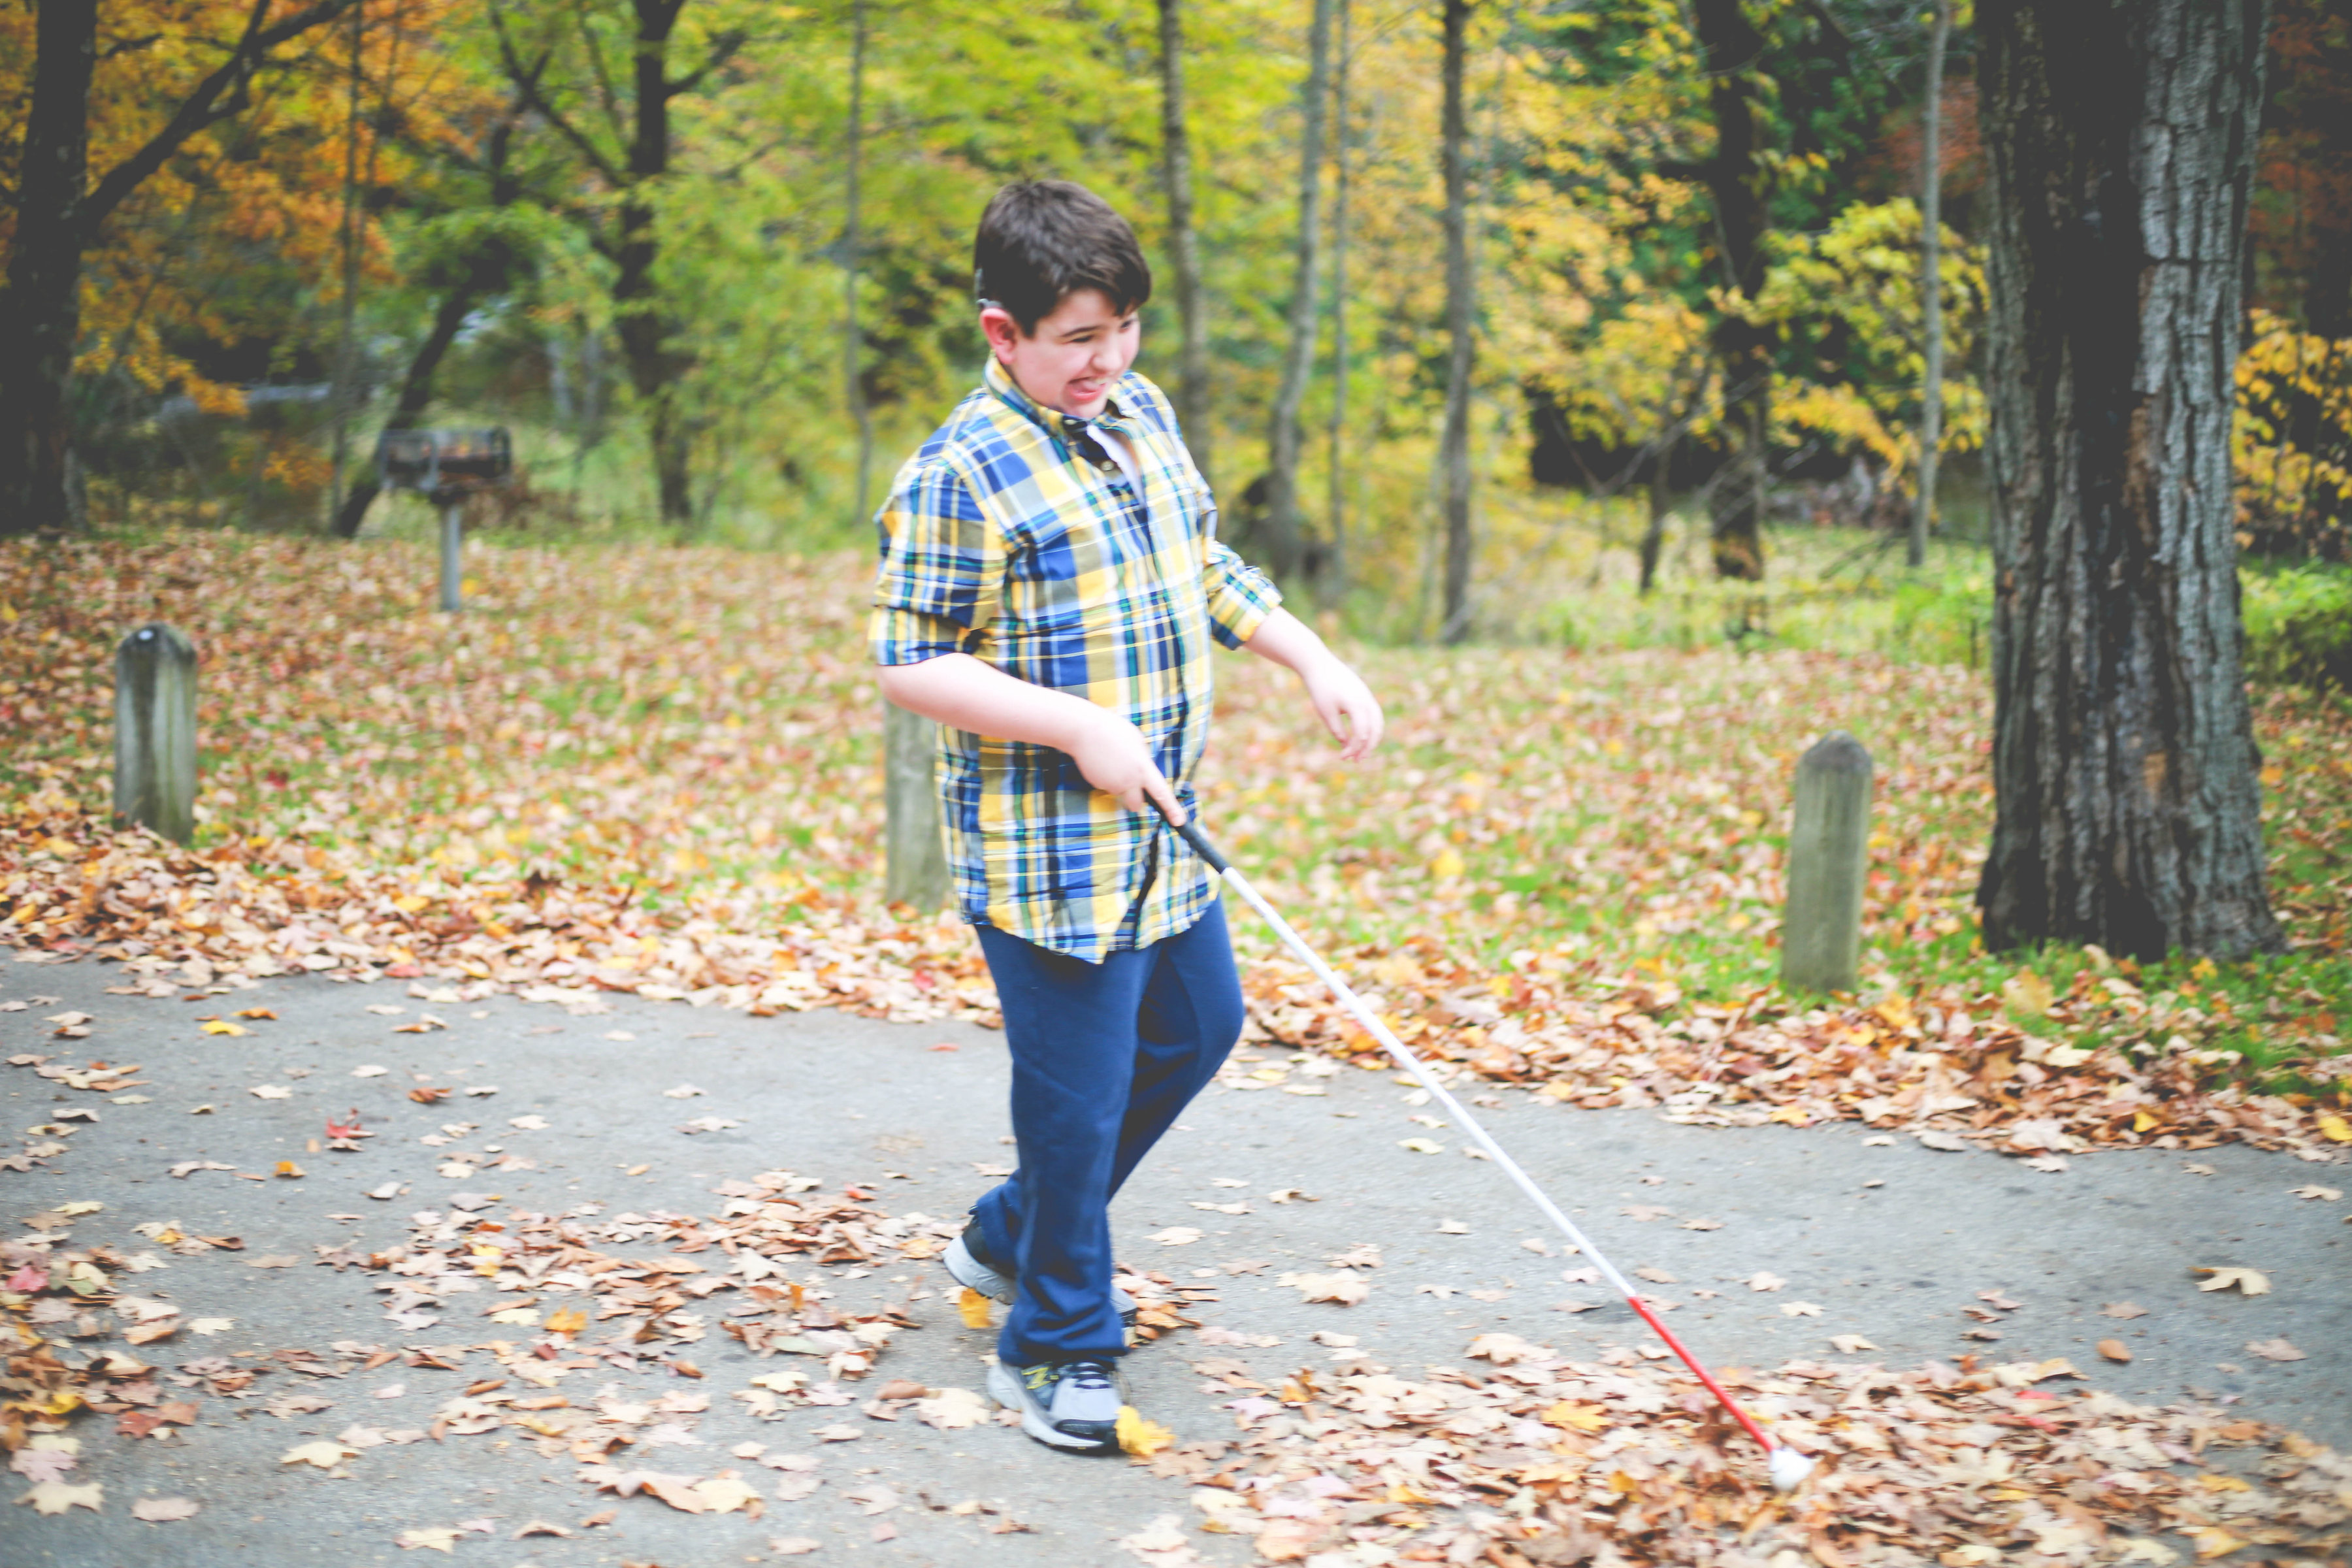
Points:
(1239, 595)
(940, 570)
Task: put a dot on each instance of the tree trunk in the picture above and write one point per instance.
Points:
(1286, 535)
(1454, 459)
(1931, 284)
(645, 328)
(852, 241)
(485, 273)
(1335, 572)
(41, 316)
(1743, 348)
(2120, 141)
(1183, 245)
(1661, 505)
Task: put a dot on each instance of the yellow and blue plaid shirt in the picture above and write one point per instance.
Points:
(1013, 537)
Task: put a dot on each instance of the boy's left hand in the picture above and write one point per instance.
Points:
(1345, 704)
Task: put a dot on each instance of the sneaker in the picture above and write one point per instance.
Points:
(1068, 1405)
(965, 1267)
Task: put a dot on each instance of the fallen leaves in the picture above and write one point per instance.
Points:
(2123, 1310)
(1765, 1281)
(1344, 1289)
(2274, 1349)
(163, 1509)
(56, 1497)
(1423, 1146)
(2115, 1350)
(2318, 1193)
(324, 1453)
(2247, 1281)
(1178, 1236)
(1850, 1344)
(1138, 1436)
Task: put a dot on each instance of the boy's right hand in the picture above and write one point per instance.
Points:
(1112, 754)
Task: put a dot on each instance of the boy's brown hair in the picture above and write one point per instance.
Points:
(1040, 241)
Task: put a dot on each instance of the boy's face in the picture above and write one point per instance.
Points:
(1071, 359)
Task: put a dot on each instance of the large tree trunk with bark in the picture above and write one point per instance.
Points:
(1184, 243)
(1733, 181)
(644, 325)
(1454, 448)
(40, 315)
(1286, 535)
(2120, 138)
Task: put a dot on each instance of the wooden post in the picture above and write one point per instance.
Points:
(1829, 859)
(453, 543)
(917, 873)
(156, 732)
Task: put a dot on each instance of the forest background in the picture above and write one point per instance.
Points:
(709, 261)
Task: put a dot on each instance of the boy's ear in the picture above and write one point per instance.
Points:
(997, 323)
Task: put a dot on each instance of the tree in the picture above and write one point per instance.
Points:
(628, 149)
(2121, 142)
(1733, 176)
(1183, 243)
(1931, 285)
(1454, 447)
(59, 213)
(1286, 535)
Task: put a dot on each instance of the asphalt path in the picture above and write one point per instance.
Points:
(1890, 1241)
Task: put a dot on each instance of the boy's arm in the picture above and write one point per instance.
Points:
(962, 692)
(1340, 697)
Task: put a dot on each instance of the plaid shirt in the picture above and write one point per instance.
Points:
(1013, 537)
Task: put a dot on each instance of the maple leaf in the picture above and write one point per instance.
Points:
(1344, 1289)
(2274, 1350)
(2322, 1194)
(348, 1128)
(434, 1540)
(56, 1497)
(1138, 1436)
(951, 1408)
(325, 1454)
(1800, 1309)
(2122, 1309)
(792, 1546)
(2249, 1281)
(1765, 1281)
(1504, 1349)
(1655, 1275)
(1850, 1344)
(38, 1465)
(162, 1509)
(271, 1091)
(1177, 1236)
(1422, 1145)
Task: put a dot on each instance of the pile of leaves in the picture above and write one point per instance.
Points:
(53, 1293)
(1536, 1460)
(1954, 1069)
(657, 771)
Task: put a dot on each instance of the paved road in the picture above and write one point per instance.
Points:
(1890, 1242)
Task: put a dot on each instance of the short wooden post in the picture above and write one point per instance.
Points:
(1829, 859)
(156, 732)
(453, 542)
(918, 872)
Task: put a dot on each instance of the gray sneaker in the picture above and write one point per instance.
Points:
(965, 1267)
(1069, 1404)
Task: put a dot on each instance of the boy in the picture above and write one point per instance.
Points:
(1050, 580)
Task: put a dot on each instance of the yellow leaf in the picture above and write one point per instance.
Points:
(223, 1026)
(1138, 1436)
(569, 1320)
(1446, 866)
(2250, 1281)
(526, 1317)
(430, 1539)
(1423, 1146)
(1582, 1417)
(2144, 1120)
(2212, 1541)
(2334, 1126)
(2026, 994)
(56, 1497)
(289, 1168)
(972, 1307)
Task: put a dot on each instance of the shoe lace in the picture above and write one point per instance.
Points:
(1087, 1373)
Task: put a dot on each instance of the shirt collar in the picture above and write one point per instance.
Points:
(999, 381)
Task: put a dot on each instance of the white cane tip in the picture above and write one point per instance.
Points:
(1788, 1468)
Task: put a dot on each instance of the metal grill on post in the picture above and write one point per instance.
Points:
(446, 467)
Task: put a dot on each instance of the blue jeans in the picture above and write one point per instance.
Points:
(1105, 1058)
